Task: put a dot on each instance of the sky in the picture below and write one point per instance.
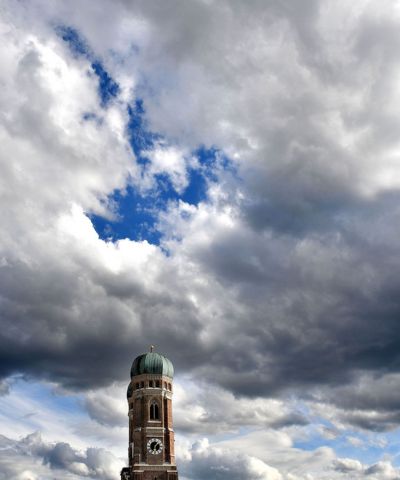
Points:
(220, 179)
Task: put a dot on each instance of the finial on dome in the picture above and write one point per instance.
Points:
(151, 348)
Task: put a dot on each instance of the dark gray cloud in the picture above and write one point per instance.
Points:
(286, 278)
(369, 402)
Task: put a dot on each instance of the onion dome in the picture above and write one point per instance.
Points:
(152, 363)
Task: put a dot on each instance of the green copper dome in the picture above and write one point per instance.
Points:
(152, 363)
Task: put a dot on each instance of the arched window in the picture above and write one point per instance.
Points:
(157, 383)
(151, 384)
(154, 413)
(169, 387)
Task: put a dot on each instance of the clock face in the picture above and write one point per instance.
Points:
(154, 446)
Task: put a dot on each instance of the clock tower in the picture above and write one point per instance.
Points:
(151, 436)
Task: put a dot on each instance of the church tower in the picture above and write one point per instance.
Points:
(151, 436)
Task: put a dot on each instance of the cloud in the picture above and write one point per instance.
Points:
(4, 388)
(347, 465)
(170, 161)
(31, 458)
(62, 163)
(282, 283)
(368, 403)
(382, 470)
(108, 406)
(208, 409)
(96, 463)
(272, 458)
(219, 463)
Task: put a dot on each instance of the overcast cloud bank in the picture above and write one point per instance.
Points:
(275, 294)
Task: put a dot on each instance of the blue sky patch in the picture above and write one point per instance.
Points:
(137, 216)
(35, 402)
(368, 452)
(138, 211)
(140, 137)
(76, 43)
(108, 88)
